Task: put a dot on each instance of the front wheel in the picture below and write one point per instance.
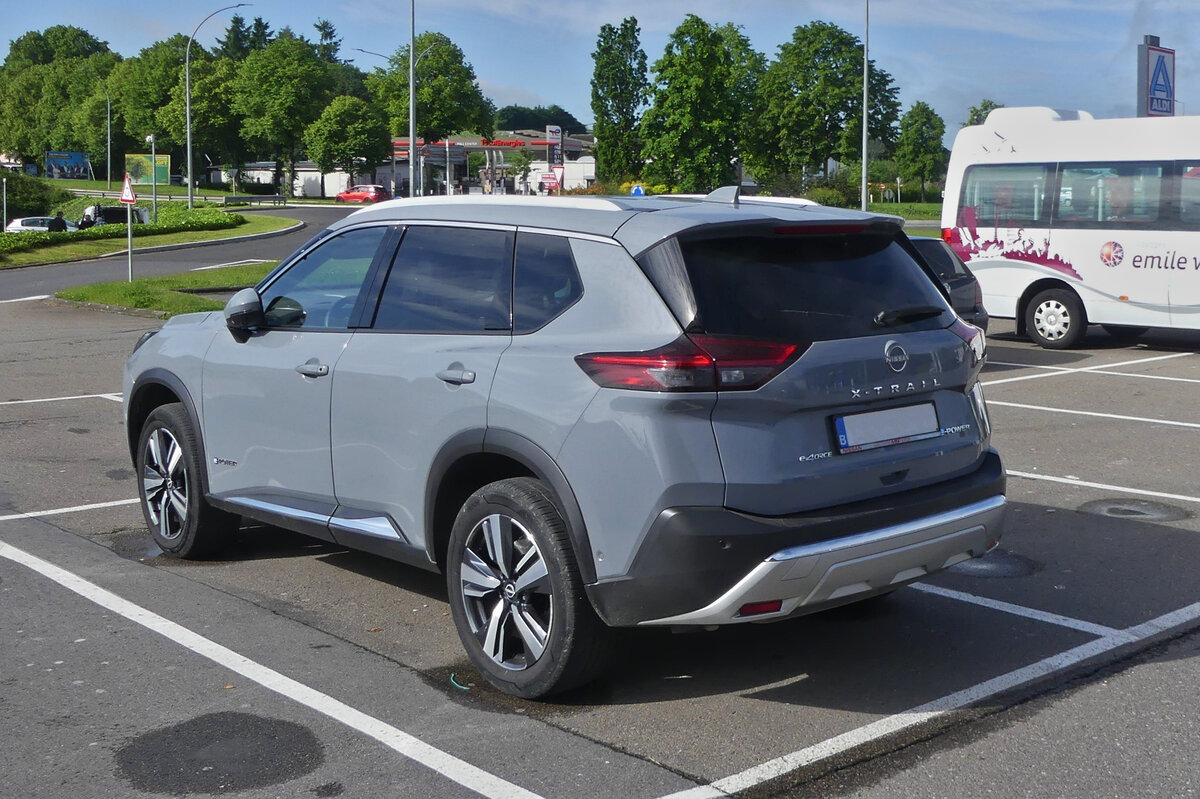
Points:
(516, 595)
(1055, 319)
(181, 520)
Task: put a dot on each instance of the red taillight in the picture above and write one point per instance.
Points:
(973, 337)
(759, 608)
(692, 363)
(947, 235)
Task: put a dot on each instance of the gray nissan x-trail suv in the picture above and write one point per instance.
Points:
(588, 413)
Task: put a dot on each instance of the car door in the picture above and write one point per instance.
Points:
(266, 399)
(417, 380)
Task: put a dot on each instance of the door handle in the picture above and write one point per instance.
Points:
(456, 376)
(313, 368)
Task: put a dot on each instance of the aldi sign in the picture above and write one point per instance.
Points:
(1156, 80)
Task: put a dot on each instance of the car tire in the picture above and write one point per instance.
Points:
(338, 200)
(1055, 319)
(516, 596)
(180, 519)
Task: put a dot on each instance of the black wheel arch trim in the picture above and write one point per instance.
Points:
(533, 458)
(171, 382)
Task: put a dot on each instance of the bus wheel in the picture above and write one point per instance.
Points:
(1055, 319)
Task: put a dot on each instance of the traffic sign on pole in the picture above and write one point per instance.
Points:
(127, 195)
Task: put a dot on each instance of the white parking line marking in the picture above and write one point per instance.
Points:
(1091, 371)
(28, 299)
(1093, 413)
(34, 514)
(1098, 630)
(780, 766)
(447, 765)
(1083, 369)
(246, 262)
(1085, 484)
(117, 397)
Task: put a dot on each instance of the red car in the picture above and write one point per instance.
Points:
(363, 194)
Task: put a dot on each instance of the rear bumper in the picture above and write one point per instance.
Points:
(699, 566)
(808, 578)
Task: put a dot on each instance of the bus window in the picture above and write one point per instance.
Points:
(1097, 195)
(1005, 196)
(1189, 195)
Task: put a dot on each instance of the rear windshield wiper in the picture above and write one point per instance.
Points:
(909, 313)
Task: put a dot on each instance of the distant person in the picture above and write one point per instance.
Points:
(86, 222)
(1119, 200)
(57, 224)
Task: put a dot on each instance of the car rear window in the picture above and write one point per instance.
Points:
(792, 285)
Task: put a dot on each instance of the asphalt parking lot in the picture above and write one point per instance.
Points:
(353, 661)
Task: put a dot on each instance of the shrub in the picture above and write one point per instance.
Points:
(30, 196)
(202, 219)
(827, 196)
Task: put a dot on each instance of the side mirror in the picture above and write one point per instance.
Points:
(244, 314)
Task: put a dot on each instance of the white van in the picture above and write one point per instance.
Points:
(1067, 220)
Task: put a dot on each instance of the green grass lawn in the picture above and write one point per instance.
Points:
(166, 295)
(908, 210)
(92, 249)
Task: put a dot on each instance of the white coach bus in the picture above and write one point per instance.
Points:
(1067, 220)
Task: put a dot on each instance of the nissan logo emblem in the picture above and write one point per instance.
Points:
(895, 356)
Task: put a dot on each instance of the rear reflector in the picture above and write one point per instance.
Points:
(759, 608)
(692, 363)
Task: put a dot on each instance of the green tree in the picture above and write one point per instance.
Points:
(142, 85)
(519, 117)
(520, 162)
(279, 92)
(919, 150)
(619, 91)
(42, 104)
(260, 35)
(216, 126)
(691, 129)
(978, 113)
(349, 134)
(448, 97)
(811, 101)
(30, 196)
(235, 44)
(55, 43)
(328, 44)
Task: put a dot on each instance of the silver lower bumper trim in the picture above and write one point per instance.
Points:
(811, 577)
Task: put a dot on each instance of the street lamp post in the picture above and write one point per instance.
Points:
(412, 94)
(108, 126)
(153, 177)
(412, 113)
(4, 223)
(866, 107)
(187, 93)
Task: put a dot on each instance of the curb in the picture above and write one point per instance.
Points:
(166, 247)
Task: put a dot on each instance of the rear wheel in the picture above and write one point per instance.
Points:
(181, 520)
(1055, 319)
(516, 595)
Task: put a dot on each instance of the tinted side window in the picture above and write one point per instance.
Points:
(546, 281)
(1005, 196)
(940, 259)
(320, 290)
(1189, 195)
(1091, 195)
(808, 287)
(449, 280)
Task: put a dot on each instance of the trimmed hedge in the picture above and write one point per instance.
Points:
(201, 219)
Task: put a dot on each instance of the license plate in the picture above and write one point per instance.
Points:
(873, 429)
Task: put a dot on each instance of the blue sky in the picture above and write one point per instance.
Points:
(948, 53)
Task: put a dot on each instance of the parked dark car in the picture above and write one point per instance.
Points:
(965, 294)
